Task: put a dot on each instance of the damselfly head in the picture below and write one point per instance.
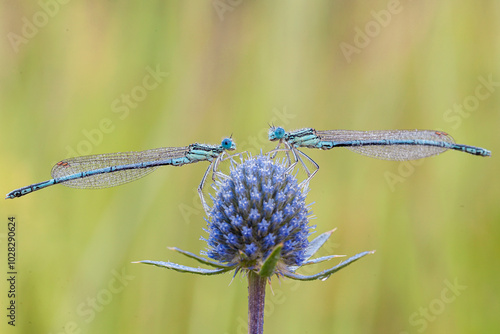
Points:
(276, 133)
(228, 144)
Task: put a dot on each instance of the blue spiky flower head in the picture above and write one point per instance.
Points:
(259, 223)
(258, 208)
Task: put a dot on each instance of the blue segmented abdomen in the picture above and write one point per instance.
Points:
(472, 150)
(28, 189)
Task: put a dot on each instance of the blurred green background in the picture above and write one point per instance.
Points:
(76, 79)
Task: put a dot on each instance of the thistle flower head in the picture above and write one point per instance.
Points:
(259, 222)
(257, 209)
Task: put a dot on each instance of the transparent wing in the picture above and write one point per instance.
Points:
(92, 162)
(362, 142)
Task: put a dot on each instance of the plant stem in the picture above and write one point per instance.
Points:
(256, 301)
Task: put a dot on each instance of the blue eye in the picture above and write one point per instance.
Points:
(279, 132)
(227, 143)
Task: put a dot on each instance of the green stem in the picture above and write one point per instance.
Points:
(256, 301)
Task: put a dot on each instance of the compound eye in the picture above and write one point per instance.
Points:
(227, 143)
(279, 132)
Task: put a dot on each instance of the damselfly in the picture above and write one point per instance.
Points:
(113, 169)
(383, 144)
